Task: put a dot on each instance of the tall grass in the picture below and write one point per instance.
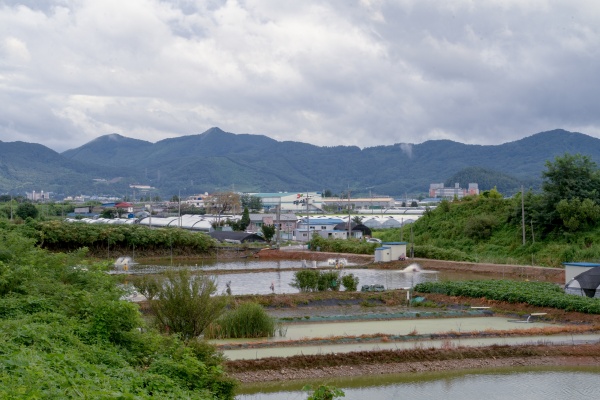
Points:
(248, 320)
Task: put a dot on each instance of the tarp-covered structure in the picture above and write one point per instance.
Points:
(366, 231)
(585, 284)
(236, 237)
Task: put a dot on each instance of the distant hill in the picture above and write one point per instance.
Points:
(30, 166)
(217, 160)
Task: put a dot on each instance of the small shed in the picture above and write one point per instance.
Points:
(572, 269)
(397, 249)
(383, 254)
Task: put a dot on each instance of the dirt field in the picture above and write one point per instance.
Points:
(418, 360)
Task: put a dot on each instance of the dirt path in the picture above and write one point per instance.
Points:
(428, 360)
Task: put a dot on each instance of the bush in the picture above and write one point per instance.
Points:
(350, 282)
(306, 280)
(312, 280)
(249, 320)
(329, 280)
(182, 303)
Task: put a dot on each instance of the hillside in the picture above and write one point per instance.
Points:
(218, 160)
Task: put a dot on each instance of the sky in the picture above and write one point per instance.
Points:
(325, 72)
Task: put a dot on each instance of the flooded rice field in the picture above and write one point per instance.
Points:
(532, 383)
(254, 353)
(263, 277)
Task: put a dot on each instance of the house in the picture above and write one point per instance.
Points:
(358, 231)
(286, 223)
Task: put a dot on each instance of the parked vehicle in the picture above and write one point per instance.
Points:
(372, 288)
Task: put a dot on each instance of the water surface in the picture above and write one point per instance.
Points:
(537, 383)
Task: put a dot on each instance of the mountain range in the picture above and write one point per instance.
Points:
(221, 161)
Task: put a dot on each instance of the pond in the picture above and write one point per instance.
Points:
(537, 383)
(250, 277)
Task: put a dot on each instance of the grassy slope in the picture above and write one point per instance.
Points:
(489, 230)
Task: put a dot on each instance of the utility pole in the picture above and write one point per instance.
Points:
(523, 212)
(349, 224)
(278, 223)
(412, 249)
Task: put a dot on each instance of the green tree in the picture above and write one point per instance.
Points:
(268, 232)
(253, 203)
(108, 213)
(577, 214)
(245, 220)
(567, 178)
(26, 210)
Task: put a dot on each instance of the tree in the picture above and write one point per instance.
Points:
(108, 213)
(357, 219)
(568, 178)
(268, 232)
(26, 210)
(245, 220)
(253, 203)
(223, 202)
(577, 214)
(571, 176)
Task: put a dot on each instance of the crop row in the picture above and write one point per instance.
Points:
(540, 294)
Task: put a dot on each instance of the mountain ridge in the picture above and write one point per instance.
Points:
(216, 160)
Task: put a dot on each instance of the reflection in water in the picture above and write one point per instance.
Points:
(500, 384)
(260, 282)
(251, 281)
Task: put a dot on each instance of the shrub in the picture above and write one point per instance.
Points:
(350, 282)
(324, 392)
(182, 303)
(329, 280)
(306, 280)
(249, 320)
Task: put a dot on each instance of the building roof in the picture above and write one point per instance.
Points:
(242, 237)
(282, 217)
(581, 264)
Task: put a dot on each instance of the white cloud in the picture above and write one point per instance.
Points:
(362, 72)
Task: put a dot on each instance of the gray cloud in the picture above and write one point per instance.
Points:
(338, 72)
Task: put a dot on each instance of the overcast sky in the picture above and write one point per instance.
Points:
(345, 72)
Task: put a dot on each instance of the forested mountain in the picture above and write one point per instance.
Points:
(218, 160)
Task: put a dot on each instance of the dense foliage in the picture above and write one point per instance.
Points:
(353, 246)
(540, 294)
(313, 280)
(106, 239)
(65, 332)
(560, 224)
